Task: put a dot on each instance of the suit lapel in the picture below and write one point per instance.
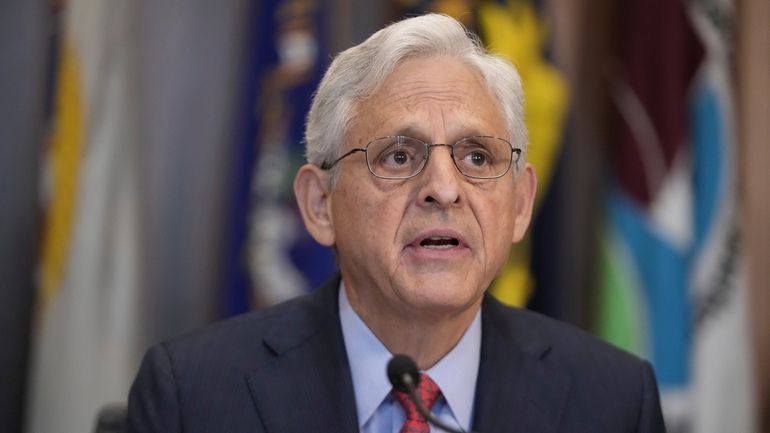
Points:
(515, 390)
(303, 382)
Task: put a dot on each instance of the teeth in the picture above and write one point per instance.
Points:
(439, 242)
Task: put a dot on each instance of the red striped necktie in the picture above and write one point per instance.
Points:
(428, 392)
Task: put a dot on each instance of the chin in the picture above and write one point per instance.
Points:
(439, 297)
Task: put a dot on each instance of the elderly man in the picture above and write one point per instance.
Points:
(417, 177)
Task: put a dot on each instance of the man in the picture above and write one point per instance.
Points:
(417, 177)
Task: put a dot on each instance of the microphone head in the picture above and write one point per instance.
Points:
(401, 368)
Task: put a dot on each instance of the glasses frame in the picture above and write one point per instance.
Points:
(428, 147)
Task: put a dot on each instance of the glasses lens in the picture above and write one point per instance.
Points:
(483, 157)
(395, 157)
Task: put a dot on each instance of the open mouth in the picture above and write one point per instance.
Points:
(439, 242)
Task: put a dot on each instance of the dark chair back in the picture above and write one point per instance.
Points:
(111, 419)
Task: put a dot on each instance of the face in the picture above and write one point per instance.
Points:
(433, 243)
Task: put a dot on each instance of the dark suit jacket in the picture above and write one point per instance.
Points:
(285, 369)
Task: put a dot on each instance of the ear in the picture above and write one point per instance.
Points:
(311, 190)
(526, 188)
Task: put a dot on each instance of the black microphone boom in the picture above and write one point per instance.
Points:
(404, 376)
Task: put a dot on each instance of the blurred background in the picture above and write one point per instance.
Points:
(147, 151)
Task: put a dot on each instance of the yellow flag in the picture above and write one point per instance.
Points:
(515, 32)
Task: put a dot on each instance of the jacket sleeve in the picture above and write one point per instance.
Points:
(153, 402)
(650, 416)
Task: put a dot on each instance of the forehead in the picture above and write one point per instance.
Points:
(424, 94)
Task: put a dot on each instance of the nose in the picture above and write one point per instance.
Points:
(440, 181)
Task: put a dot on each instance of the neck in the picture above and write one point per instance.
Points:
(426, 336)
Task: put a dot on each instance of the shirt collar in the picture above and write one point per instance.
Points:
(367, 355)
(456, 373)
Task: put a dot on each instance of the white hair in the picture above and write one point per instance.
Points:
(360, 71)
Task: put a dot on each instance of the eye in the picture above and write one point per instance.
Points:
(474, 155)
(401, 153)
(477, 158)
(482, 157)
(396, 157)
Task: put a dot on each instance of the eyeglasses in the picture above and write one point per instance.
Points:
(401, 157)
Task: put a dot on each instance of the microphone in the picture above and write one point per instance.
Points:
(403, 373)
(404, 376)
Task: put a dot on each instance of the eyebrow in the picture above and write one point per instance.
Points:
(411, 130)
(414, 131)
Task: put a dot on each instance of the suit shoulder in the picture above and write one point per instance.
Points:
(610, 389)
(239, 337)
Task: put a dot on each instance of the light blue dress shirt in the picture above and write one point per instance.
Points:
(378, 412)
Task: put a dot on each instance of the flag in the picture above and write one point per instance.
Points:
(281, 258)
(672, 275)
(722, 380)
(515, 31)
(23, 55)
(85, 349)
(191, 64)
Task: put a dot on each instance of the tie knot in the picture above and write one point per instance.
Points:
(427, 391)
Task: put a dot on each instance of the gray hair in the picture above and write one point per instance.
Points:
(360, 71)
